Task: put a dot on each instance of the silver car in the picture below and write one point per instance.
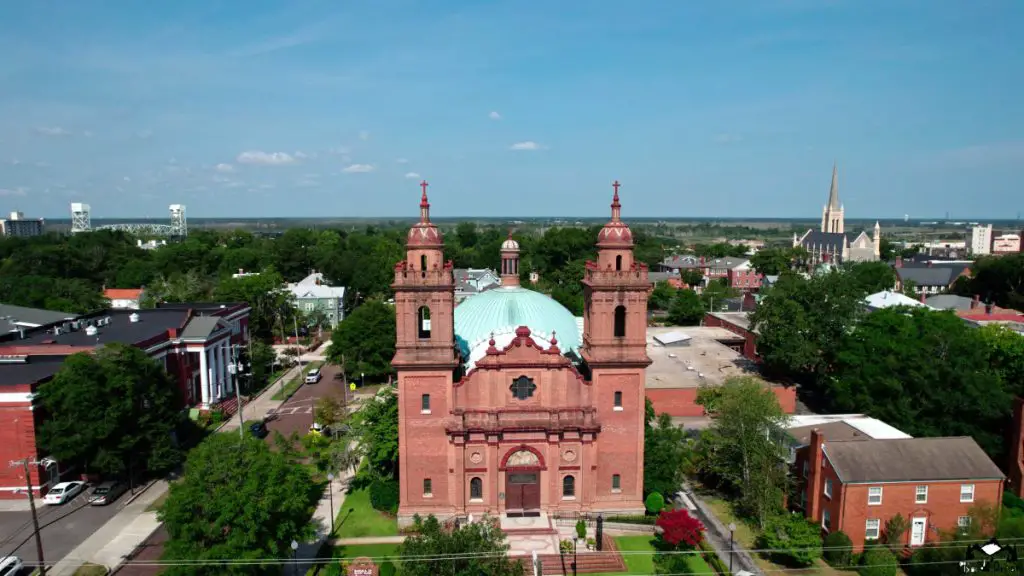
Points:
(106, 493)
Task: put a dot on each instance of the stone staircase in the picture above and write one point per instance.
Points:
(606, 561)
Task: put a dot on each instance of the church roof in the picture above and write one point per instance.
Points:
(501, 310)
(828, 241)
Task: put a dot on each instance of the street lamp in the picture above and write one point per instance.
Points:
(295, 556)
(732, 531)
(236, 369)
(330, 491)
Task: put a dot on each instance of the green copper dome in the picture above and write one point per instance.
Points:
(501, 310)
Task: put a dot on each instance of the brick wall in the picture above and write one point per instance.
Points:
(17, 441)
(749, 338)
(682, 402)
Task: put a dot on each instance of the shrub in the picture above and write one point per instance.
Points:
(581, 529)
(837, 549)
(680, 529)
(565, 546)
(655, 502)
(627, 519)
(895, 528)
(877, 561)
(795, 541)
(384, 495)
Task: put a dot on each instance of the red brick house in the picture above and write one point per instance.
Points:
(858, 483)
(192, 340)
(739, 324)
(506, 407)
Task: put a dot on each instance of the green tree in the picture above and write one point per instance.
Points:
(744, 446)
(772, 261)
(364, 343)
(237, 500)
(686, 309)
(999, 279)
(716, 293)
(691, 277)
(113, 411)
(871, 277)
(662, 296)
(265, 295)
(907, 366)
(377, 426)
(878, 561)
(895, 528)
(793, 540)
(886, 250)
(667, 457)
(473, 549)
(837, 549)
(1005, 355)
(261, 358)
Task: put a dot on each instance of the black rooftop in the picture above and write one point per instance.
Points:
(202, 308)
(121, 329)
(36, 369)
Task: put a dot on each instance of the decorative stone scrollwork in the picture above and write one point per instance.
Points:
(523, 458)
(476, 457)
(569, 455)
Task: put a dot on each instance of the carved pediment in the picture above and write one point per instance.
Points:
(523, 458)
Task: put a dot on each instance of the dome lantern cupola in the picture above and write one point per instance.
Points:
(510, 262)
(616, 233)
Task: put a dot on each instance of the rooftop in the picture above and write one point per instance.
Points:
(739, 319)
(121, 329)
(31, 317)
(314, 286)
(889, 299)
(123, 293)
(911, 460)
(705, 358)
(29, 372)
(836, 427)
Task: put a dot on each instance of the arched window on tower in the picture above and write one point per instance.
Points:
(423, 261)
(620, 321)
(423, 322)
(618, 262)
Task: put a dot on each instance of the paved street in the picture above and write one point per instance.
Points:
(62, 527)
(296, 415)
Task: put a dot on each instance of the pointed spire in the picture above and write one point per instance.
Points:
(424, 204)
(616, 207)
(833, 193)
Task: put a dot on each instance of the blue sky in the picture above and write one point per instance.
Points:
(512, 107)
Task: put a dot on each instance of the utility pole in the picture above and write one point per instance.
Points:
(24, 462)
(235, 370)
(295, 320)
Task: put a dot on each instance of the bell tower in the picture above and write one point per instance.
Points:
(425, 360)
(615, 292)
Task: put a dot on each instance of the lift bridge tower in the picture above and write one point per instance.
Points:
(179, 225)
(80, 218)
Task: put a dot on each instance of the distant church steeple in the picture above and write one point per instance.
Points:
(832, 213)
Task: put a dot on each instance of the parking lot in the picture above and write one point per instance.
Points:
(62, 527)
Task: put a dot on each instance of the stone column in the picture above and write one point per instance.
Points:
(230, 377)
(204, 378)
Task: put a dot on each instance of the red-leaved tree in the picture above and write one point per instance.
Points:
(678, 528)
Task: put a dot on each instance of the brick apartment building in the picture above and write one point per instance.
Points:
(192, 340)
(857, 483)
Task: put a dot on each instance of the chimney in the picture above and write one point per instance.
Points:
(899, 261)
(975, 302)
(241, 271)
(815, 455)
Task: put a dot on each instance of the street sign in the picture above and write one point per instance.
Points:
(362, 566)
(352, 386)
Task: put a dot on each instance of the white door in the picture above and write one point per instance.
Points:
(917, 531)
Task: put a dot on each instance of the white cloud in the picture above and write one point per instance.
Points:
(222, 167)
(53, 131)
(19, 191)
(412, 175)
(494, 116)
(127, 179)
(728, 138)
(527, 145)
(358, 168)
(266, 158)
(300, 154)
(402, 161)
(364, 135)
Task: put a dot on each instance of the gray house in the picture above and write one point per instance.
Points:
(312, 294)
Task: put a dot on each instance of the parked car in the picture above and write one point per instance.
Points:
(318, 429)
(313, 376)
(63, 492)
(11, 566)
(106, 493)
(259, 430)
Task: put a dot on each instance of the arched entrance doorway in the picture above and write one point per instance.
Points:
(522, 482)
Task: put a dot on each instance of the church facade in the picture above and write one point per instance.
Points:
(832, 243)
(505, 406)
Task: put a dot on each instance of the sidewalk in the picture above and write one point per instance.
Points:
(130, 527)
(307, 552)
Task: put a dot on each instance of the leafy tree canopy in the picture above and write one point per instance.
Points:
(686, 309)
(476, 548)
(364, 343)
(666, 457)
(377, 426)
(113, 412)
(237, 500)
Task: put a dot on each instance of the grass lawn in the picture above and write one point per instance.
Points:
(356, 518)
(644, 563)
(89, 569)
(295, 383)
(376, 551)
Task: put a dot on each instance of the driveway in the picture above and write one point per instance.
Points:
(62, 527)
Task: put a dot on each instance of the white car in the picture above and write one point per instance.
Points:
(63, 492)
(313, 376)
(11, 566)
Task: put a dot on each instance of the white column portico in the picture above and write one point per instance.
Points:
(204, 378)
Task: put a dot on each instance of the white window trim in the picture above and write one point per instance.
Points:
(826, 519)
(431, 493)
(476, 500)
(828, 488)
(963, 526)
(617, 409)
(917, 495)
(424, 411)
(971, 498)
(880, 494)
(877, 529)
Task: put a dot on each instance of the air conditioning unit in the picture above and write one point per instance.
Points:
(90, 330)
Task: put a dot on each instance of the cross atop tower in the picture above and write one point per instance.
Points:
(424, 203)
(616, 207)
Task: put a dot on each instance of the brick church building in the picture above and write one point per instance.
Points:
(507, 407)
